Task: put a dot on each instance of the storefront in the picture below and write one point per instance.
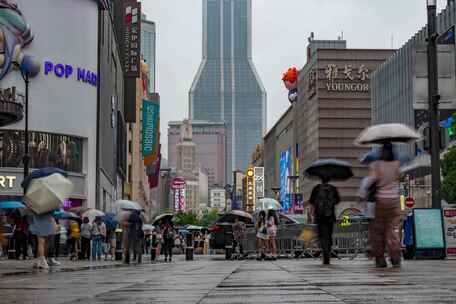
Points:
(61, 40)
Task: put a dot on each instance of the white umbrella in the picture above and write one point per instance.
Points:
(392, 132)
(128, 205)
(123, 215)
(147, 227)
(47, 193)
(92, 214)
(268, 203)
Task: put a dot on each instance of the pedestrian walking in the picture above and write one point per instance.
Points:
(20, 237)
(135, 236)
(238, 235)
(262, 235)
(75, 239)
(86, 236)
(323, 200)
(271, 228)
(98, 232)
(385, 174)
(168, 241)
(42, 226)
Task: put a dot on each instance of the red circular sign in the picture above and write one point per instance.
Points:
(409, 202)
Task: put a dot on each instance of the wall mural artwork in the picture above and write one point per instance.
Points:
(15, 36)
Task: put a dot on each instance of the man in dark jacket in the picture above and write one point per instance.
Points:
(323, 199)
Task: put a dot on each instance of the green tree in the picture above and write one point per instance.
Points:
(186, 218)
(209, 217)
(448, 165)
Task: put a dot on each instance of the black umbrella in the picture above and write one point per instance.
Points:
(331, 169)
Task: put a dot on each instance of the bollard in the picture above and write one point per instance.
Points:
(119, 249)
(153, 249)
(189, 247)
(228, 245)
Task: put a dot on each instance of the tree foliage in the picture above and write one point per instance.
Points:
(448, 166)
(209, 217)
(186, 218)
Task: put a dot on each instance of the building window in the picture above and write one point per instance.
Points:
(46, 150)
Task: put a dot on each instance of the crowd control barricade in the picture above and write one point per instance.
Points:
(351, 237)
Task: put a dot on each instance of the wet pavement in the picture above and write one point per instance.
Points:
(214, 280)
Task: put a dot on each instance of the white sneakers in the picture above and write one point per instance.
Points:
(54, 262)
(41, 263)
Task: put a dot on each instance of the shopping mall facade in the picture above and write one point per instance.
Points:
(74, 44)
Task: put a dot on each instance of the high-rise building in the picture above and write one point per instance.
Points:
(148, 48)
(209, 138)
(227, 87)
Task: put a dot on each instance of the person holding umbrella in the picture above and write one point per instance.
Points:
(384, 175)
(325, 197)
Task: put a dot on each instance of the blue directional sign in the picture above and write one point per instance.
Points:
(447, 37)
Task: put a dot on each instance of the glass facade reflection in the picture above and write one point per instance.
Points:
(46, 150)
(227, 87)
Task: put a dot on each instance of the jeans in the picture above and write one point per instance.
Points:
(96, 247)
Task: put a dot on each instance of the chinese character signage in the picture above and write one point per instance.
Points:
(259, 182)
(150, 131)
(178, 187)
(131, 38)
(347, 78)
(250, 195)
(449, 219)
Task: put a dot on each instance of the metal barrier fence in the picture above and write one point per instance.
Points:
(350, 238)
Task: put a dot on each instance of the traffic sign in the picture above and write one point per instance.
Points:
(409, 202)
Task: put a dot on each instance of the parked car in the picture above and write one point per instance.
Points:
(222, 230)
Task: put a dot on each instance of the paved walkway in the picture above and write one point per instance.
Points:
(214, 280)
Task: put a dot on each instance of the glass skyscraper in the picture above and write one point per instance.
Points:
(148, 45)
(227, 87)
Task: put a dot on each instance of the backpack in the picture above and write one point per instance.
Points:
(325, 201)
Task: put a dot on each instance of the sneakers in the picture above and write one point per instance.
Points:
(53, 262)
(380, 263)
(41, 263)
(396, 263)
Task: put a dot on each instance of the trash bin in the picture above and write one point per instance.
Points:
(189, 247)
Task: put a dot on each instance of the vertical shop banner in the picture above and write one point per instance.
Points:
(449, 220)
(259, 182)
(131, 39)
(285, 170)
(178, 186)
(150, 131)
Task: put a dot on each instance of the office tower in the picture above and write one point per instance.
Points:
(148, 48)
(227, 87)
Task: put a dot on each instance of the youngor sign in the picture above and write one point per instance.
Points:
(347, 79)
(150, 127)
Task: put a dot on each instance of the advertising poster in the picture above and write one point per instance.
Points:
(150, 131)
(178, 187)
(449, 220)
(428, 229)
(285, 171)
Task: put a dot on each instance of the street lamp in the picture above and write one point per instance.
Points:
(433, 102)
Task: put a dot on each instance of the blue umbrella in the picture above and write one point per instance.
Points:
(110, 221)
(332, 169)
(11, 205)
(65, 215)
(376, 152)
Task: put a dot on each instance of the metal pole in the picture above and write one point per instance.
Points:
(26, 157)
(433, 104)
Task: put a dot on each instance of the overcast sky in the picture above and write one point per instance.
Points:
(280, 31)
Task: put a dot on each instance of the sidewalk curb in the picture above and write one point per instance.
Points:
(63, 269)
